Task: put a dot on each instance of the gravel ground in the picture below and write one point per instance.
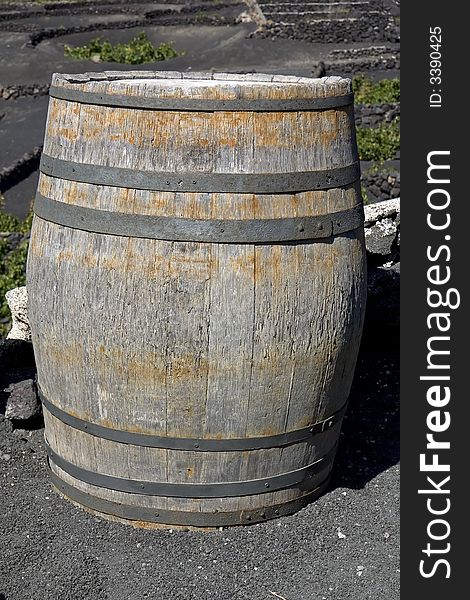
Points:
(344, 545)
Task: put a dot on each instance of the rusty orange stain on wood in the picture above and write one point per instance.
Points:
(188, 367)
(150, 366)
(83, 415)
(64, 256)
(230, 142)
(89, 260)
(244, 262)
(55, 108)
(61, 354)
(67, 133)
(37, 246)
(274, 265)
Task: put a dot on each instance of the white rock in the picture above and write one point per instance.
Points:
(244, 17)
(380, 237)
(18, 302)
(379, 210)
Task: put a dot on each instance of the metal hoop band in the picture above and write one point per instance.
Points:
(307, 434)
(241, 183)
(300, 478)
(249, 231)
(200, 104)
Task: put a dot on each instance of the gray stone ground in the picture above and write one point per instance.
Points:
(343, 546)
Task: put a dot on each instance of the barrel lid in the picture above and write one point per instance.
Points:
(207, 86)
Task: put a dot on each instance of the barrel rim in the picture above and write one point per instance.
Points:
(292, 93)
(326, 83)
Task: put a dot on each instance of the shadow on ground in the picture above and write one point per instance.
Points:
(370, 436)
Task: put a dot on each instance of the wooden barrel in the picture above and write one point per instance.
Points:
(196, 280)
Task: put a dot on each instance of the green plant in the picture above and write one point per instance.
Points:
(378, 168)
(8, 222)
(365, 197)
(385, 91)
(12, 262)
(139, 50)
(379, 143)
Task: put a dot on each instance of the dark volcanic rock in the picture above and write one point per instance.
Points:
(382, 185)
(15, 354)
(319, 70)
(383, 303)
(372, 115)
(12, 92)
(23, 403)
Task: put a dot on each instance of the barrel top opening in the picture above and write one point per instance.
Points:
(193, 76)
(190, 83)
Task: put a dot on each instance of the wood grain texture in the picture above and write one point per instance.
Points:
(191, 339)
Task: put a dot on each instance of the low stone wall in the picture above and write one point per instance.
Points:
(371, 115)
(382, 186)
(20, 169)
(370, 28)
(12, 92)
(358, 60)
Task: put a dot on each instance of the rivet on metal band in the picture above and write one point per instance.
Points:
(307, 434)
(175, 517)
(300, 478)
(249, 183)
(248, 231)
(200, 104)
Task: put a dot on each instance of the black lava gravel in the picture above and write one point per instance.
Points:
(367, 21)
(343, 546)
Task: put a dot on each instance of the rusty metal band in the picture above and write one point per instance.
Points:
(249, 231)
(302, 478)
(240, 183)
(281, 440)
(200, 104)
(176, 517)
